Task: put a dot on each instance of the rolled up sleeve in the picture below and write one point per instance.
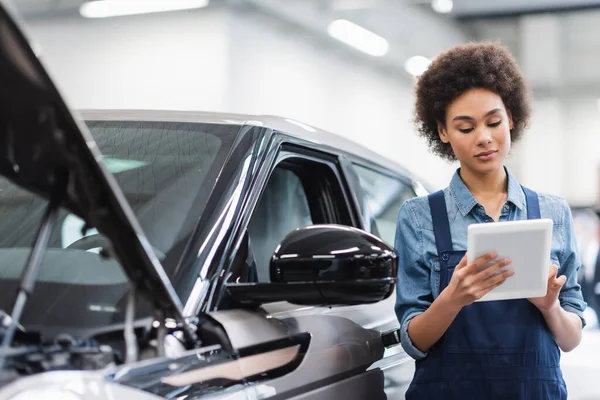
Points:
(570, 296)
(413, 290)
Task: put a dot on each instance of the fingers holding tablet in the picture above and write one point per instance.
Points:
(470, 282)
(479, 262)
(494, 277)
(496, 269)
(555, 283)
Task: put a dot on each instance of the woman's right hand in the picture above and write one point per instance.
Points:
(470, 283)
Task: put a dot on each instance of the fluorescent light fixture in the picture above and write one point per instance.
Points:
(358, 37)
(114, 8)
(416, 65)
(442, 6)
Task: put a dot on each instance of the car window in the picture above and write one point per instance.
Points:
(282, 208)
(300, 192)
(162, 169)
(383, 195)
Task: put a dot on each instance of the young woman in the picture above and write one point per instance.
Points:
(471, 104)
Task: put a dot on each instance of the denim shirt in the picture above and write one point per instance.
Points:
(419, 270)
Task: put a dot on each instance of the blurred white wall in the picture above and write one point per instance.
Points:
(581, 153)
(160, 61)
(541, 164)
(560, 153)
(221, 60)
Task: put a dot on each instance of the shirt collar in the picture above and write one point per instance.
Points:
(465, 200)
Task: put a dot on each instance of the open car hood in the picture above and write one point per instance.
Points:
(40, 138)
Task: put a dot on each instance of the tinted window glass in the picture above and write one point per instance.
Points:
(282, 208)
(161, 168)
(384, 195)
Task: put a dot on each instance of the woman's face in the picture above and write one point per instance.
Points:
(478, 129)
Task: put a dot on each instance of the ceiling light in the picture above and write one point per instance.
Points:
(416, 65)
(442, 6)
(113, 8)
(358, 37)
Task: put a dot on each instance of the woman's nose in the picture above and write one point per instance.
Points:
(484, 137)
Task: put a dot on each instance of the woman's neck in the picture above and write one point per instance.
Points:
(485, 185)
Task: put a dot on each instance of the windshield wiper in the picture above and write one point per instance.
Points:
(32, 267)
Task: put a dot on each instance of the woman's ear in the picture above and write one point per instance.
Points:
(443, 132)
(510, 120)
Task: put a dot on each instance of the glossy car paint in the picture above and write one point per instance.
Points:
(324, 264)
(339, 349)
(347, 254)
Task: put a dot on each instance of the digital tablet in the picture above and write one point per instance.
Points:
(526, 243)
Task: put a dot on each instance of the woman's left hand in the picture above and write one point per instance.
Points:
(549, 301)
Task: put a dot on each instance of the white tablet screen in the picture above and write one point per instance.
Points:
(526, 243)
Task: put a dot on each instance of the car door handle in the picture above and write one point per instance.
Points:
(391, 338)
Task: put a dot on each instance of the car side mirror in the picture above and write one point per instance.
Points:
(325, 265)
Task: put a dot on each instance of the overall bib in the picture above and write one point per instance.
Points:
(493, 349)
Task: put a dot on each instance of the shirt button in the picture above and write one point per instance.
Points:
(505, 208)
(445, 257)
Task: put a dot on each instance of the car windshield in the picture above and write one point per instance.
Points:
(162, 168)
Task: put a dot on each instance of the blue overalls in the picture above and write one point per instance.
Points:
(493, 349)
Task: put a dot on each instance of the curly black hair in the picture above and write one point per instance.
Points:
(486, 65)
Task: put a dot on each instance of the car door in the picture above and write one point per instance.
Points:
(305, 186)
(381, 193)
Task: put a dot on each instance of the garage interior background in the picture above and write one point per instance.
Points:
(277, 57)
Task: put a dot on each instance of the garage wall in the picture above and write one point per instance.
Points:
(171, 61)
(220, 60)
(560, 153)
(581, 153)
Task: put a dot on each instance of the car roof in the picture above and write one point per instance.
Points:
(285, 125)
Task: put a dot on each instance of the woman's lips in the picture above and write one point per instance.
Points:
(486, 156)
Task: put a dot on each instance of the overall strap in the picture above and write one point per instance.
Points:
(533, 204)
(441, 226)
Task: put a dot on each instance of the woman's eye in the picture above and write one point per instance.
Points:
(467, 130)
(495, 124)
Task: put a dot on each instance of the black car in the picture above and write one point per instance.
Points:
(190, 255)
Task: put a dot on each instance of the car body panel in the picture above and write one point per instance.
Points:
(338, 349)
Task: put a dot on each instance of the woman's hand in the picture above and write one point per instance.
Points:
(470, 283)
(550, 301)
